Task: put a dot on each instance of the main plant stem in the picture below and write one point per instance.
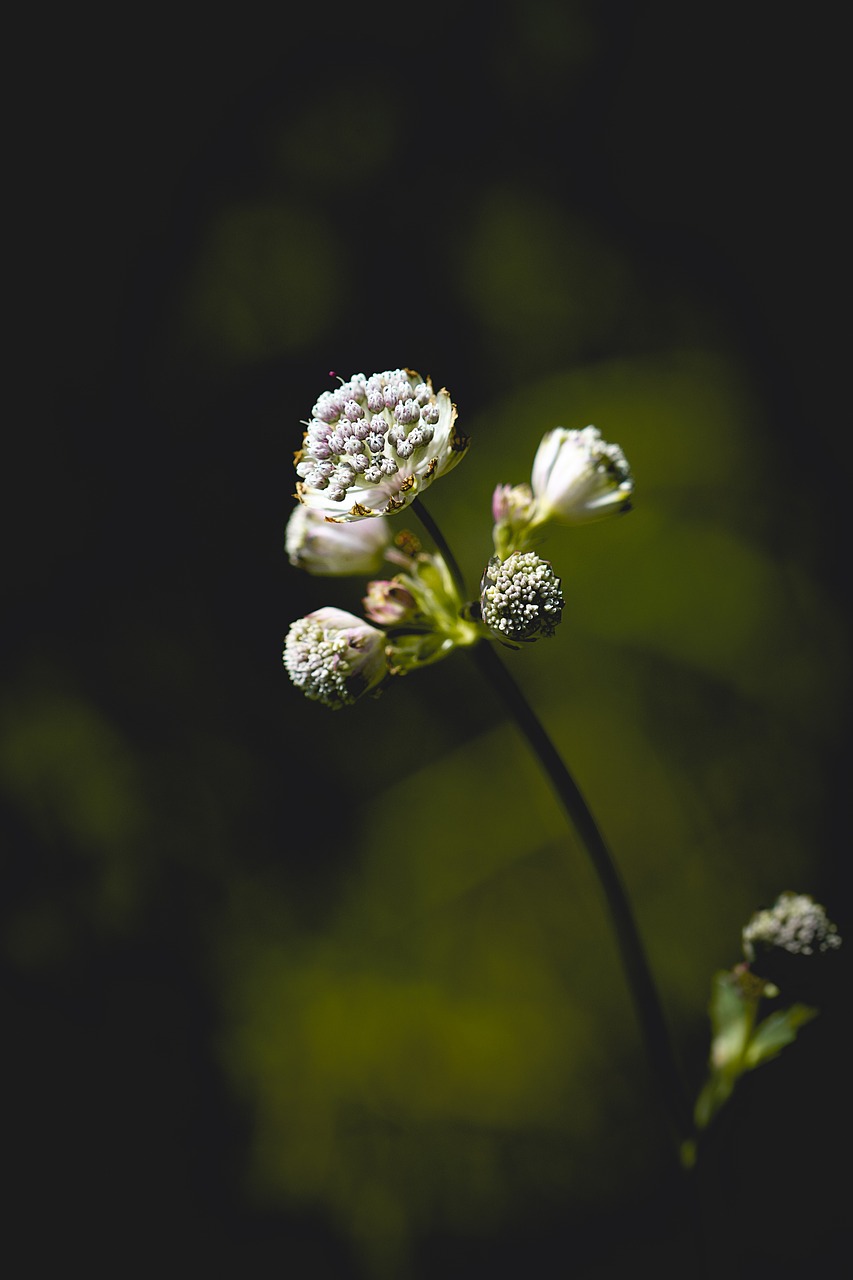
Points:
(634, 961)
(638, 973)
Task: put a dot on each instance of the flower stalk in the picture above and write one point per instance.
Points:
(442, 546)
(638, 973)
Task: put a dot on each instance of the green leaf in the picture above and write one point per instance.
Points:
(777, 1030)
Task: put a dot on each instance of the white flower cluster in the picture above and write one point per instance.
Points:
(373, 444)
(371, 447)
(795, 923)
(521, 599)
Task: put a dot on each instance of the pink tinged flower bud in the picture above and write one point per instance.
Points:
(389, 603)
(335, 550)
(500, 502)
(512, 502)
(578, 477)
(335, 658)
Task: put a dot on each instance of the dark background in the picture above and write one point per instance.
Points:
(213, 212)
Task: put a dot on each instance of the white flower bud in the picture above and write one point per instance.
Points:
(335, 550)
(577, 477)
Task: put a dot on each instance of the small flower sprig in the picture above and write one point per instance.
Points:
(780, 944)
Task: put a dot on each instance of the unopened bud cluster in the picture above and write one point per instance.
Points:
(335, 657)
(521, 599)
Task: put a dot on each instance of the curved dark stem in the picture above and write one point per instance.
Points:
(438, 538)
(647, 1005)
(637, 971)
(635, 963)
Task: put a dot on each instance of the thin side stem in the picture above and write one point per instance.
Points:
(439, 540)
(635, 963)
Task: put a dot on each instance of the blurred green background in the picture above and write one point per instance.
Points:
(315, 994)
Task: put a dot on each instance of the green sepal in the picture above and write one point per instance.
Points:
(416, 649)
(438, 624)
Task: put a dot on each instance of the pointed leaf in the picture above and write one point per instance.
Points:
(777, 1030)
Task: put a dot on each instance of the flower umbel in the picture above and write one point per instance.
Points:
(325, 549)
(795, 923)
(373, 444)
(520, 598)
(334, 657)
(577, 477)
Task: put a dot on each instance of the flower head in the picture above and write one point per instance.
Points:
(373, 444)
(520, 598)
(577, 477)
(334, 657)
(327, 549)
(795, 924)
